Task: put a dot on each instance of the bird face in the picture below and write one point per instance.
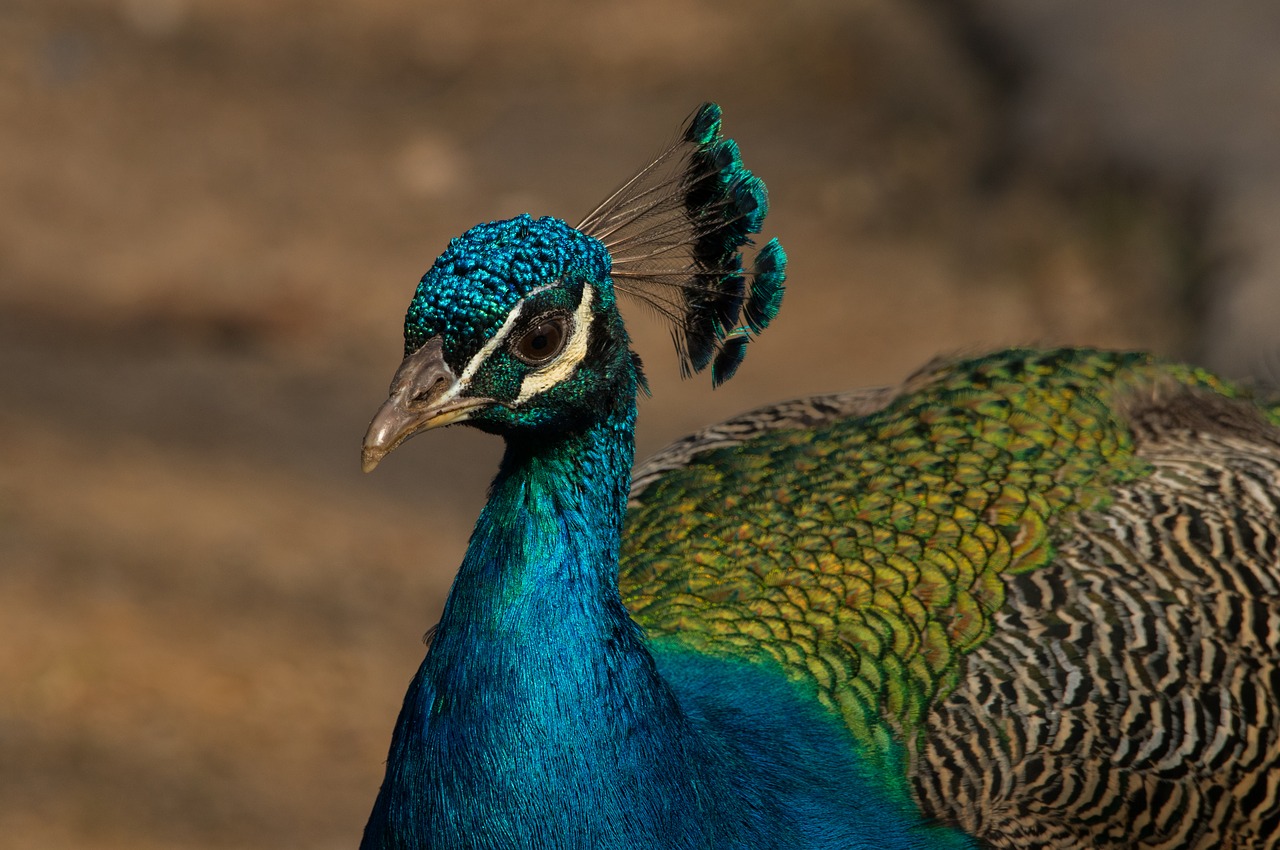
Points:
(515, 328)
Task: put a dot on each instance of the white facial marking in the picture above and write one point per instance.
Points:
(474, 364)
(551, 374)
(560, 368)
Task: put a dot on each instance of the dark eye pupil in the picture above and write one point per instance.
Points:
(541, 343)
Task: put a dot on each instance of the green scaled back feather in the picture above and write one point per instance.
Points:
(677, 232)
(873, 559)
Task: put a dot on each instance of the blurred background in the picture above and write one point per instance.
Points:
(213, 213)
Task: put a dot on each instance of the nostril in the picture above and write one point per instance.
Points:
(427, 393)
(423, 376)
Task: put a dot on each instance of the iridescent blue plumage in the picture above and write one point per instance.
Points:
(471, 287)
(540, 718)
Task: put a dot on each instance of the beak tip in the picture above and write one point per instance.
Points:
(369, 459)
(423, 396)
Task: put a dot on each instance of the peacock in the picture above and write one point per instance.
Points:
(1029, 599)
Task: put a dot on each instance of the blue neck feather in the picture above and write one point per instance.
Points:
(540, 718)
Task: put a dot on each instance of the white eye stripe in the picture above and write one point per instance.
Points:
(549, 375)
(562, 366)
(474, 364)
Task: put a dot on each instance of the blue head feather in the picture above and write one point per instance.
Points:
(480, 277)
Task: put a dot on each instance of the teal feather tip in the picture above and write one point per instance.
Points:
(729, 358)
(704, 125)
(677, 232)
(766, 295)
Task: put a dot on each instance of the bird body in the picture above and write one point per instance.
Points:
(1030, 599)
(542, 717)
(1048, 582)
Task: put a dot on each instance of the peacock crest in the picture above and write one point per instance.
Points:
(677, 231)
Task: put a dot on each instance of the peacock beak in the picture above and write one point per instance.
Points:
(424, 395)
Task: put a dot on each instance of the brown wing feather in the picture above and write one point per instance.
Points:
(1134, 682)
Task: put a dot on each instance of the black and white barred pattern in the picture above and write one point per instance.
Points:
(1130, 696)
(798, 413)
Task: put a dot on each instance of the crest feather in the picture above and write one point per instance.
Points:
(676, 232)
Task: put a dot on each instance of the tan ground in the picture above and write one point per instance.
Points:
(212, 214)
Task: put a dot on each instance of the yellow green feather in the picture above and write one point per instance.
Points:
(866, 557)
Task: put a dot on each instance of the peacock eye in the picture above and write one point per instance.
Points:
(542, 342)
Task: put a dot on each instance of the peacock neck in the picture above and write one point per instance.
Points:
(539, 717)
(538, 685)
(540, 576)
(550, 531)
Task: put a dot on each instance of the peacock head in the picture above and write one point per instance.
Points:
(515, 328)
